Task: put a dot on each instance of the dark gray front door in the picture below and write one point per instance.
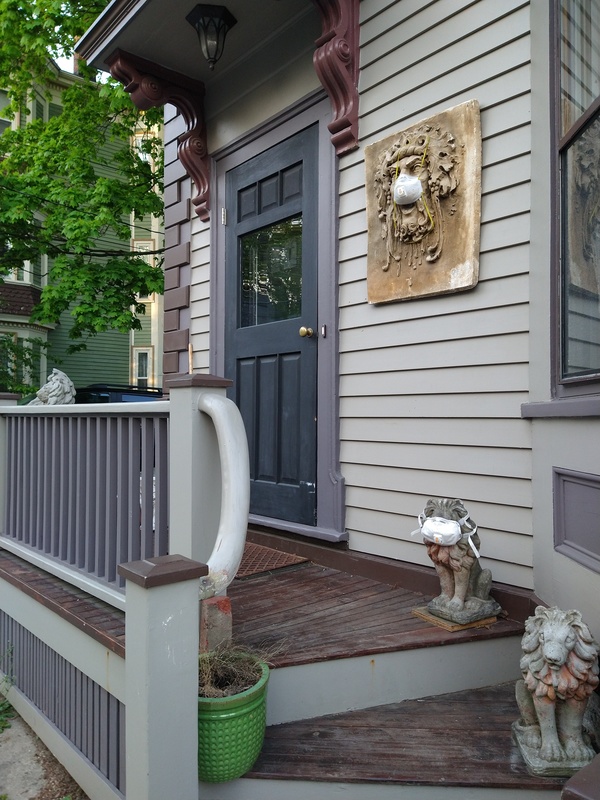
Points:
(271, 321)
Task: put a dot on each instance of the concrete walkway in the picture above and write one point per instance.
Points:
(21, 770)
(29, 771)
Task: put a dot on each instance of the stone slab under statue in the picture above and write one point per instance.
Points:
(452, 541)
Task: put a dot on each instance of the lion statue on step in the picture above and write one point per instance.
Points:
(465, 586)
(59, 390)
(560, 672)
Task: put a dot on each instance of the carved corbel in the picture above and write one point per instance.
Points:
(149, 86)
(336, 62)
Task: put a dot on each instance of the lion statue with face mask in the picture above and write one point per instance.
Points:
(464, 584)
(59, 390)
(560, 672)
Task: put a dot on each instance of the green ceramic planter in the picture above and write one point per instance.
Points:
(231, 732)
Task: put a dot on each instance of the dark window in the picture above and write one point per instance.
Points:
(577, 355)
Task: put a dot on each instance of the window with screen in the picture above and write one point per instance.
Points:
(577, 362)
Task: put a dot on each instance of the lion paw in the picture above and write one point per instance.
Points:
(578, 751)
(532, 737)
(456, 604)
(552, 751)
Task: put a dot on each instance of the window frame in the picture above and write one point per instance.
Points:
(149, 377)
(578, 386)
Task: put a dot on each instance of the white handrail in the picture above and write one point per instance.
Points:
(228, 550)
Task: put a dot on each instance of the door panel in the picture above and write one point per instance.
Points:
(270, 280)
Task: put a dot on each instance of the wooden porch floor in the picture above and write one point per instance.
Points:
(459, 739)
(315, 613)
(310, 613)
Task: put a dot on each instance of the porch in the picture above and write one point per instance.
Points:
(361, 688)
(425, 710)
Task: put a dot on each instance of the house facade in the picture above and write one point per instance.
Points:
(358, 411)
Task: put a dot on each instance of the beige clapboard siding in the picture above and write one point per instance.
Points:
(486, 321)
(493, 177)
(487, 378)
(511, 348)
(390, 547)
(462, 459)
(501, 291)
(406, 481)
(434, 44)
(488, 433)
(433, 70)
(493, 542)
(501, 405)
(487, 515)
(430, 390)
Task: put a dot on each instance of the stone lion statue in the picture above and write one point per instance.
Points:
(465, 586)
(560, 672)
(59, 390)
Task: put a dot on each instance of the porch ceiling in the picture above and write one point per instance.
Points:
(159, 32)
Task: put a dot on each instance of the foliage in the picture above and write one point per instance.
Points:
(7, 712)
(228, 670)
(74, 181)
(18, 362)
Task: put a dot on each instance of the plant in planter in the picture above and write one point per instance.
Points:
(232, 690)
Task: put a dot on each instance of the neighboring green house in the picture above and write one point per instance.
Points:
(112, 356)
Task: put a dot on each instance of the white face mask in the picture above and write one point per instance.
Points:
(446, 532)
(440, 530)
(407, 189)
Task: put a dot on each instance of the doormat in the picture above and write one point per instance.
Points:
(257, 559)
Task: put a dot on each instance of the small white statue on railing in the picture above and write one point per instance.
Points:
(59, 390)
(560, 712)
(452, 542)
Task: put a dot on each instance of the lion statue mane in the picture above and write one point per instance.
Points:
(59, 390)
(560, 673)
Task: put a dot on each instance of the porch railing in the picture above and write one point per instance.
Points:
(84, 488)
(87, 486)
(87, 489)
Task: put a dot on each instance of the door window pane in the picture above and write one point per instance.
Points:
(271, 273)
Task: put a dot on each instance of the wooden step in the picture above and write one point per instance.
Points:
(458, 739)
(345, 641)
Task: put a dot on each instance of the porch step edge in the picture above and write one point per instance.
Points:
(261, 789)
(331, 687)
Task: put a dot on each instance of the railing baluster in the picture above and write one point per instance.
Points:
(161, 489)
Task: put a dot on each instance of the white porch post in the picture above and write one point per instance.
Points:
(161, 677)
(195, 470)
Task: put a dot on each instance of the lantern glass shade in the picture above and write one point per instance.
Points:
(211, 24)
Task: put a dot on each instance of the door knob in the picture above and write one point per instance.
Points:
(306, 331)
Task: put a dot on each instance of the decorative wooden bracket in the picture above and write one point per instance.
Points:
(336, 62)
(151, 85)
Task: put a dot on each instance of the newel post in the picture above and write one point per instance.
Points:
(195, 469)
(161, 677)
